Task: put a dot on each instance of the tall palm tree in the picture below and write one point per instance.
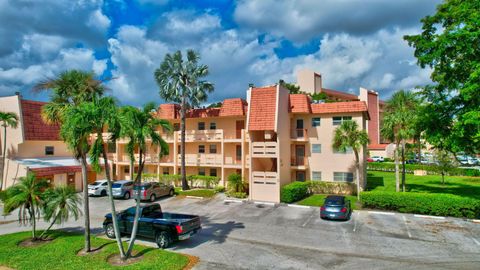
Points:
(399, 125)
(72, 88)
(348, 135)
(140, 127)
(181, 81)
(62, 202)
(7, 119)
(27, 197)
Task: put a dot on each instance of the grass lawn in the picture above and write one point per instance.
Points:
(205, 193)
(61, 254)
(317, 200)
(458, 185)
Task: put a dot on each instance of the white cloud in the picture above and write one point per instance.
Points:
(99, 20)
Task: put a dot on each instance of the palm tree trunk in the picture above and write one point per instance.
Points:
(86, 207)
(34, 221)
(3, 157)
(112, 203)
(397, 169)
(133, 235)
(403, 165)
(50, 226)
(357, 167)
(182, 144)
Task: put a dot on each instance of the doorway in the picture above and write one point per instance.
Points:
(299, 131)
(299, 155)
(240, 124)
(301, 176)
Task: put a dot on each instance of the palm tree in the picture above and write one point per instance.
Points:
(181, 81)
(27, 197)
(399, 125)
(348, 135)
(72, 88)
(140, 126)
(8, 119)
(62, 202)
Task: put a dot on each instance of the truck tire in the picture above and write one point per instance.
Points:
(163, 239)
(109, 230)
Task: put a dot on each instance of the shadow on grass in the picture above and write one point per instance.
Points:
(449, 188)
(374, 182)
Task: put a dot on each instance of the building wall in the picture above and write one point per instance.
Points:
(14, 135)
(37, 149)
(283, 137)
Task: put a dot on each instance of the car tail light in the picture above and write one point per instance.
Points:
(145, 193)
(179, 229)
(344, 210)
(322, 208)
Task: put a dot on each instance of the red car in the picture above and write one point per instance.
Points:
(370, 159)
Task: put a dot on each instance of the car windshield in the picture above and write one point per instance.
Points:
(334, 201)
(116, 185)
(96, 183)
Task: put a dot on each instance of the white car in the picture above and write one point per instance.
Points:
(377, 158)
(98, 188)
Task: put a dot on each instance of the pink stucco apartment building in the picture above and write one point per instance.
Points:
(271, 138)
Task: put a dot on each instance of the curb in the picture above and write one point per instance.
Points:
(475, 220)
(194, 197)
(235, 200)
(425, 216)
(300, 206)
(382, 213)
(265, 203)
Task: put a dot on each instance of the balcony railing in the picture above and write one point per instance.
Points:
(264, 149)
(202, 135)
(232, 161)
(299, 161)
(201, 159)
(299, 134)
(261, 177)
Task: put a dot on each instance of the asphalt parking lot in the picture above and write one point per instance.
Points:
(254, 236)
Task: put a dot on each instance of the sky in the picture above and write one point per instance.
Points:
(352, 43)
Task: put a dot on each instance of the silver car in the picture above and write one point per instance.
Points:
(98, 188)
(122, 189)
(152, 190)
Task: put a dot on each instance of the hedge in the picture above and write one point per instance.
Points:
(204, 181)
(294, 192)
(323, 187)
(435, 204)
(430, 169)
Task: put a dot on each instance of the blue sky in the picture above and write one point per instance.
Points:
(351, 43)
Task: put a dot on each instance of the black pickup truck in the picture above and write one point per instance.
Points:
(165, 228)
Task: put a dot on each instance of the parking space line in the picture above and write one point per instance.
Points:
(298, 206)
(308, 220)
(406, 226)
(476, 241)
(265, 203)
(382, 213)
(355, 222)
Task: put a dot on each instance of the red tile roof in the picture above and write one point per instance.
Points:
(35, 129)
(203, 113)
(233, 107)
(41, 172)
(339, 94)
(230, 107)
(377, 146)
(299, 103)
(262, 108)
(339, 107)
(168, 111)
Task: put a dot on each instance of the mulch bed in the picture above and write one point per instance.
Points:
(30, 243)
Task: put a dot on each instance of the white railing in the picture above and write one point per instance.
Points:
(202, 135)
(260, 177)
(264, 149)
(201, 159)
(232, 161)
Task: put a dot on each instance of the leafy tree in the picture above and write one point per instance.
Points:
(27, 197)
(445, 163)
(140, 127)
(235, 182)
(7, 119)
(449, 45)
(399, 122)
(292, 88)
(215, 105)
(348, 135)
(61, 203)
(69, 89)
(182, 81)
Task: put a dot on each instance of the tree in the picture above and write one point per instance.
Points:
(7, 119)
(399, 122)
(235, 182)
(449, 46)
(181, 81)
(27, 197)
(69, 89)
(61, 203)
(348, 135)
(140, 127)
(445, 163)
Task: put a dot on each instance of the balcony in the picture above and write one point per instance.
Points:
(299, 134)
(201, 159)
(300, 163)
(202, 135)
(260, 177)
(232, 162)
(264, 149)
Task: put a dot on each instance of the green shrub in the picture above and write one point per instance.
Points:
(322, 187)
(235, 182)
(294, 192)
(422, 203)
(203, 181)
(219, 189)
(430, 169)
(238, 195)
(200, 181)
(388, 160)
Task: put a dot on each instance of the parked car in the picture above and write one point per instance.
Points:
(336, 207)
(369, 159)
(122, 189)
(152, 190)
(377, 158)
(165, 228)
(98, 188)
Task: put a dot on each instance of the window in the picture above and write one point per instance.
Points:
(166, 171)
(349, 150)
(316, 148)
(201, 125)
(179, 149)
(337, 120)
(201, 171)
(213, 148)
(176, 126)
(111, 148)
(343, 176)
(213, 125)
(201, 149)
(238, 155)
(126, 169)
(213, 172)
(316, 176)
(49, 150)
(316, 122)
